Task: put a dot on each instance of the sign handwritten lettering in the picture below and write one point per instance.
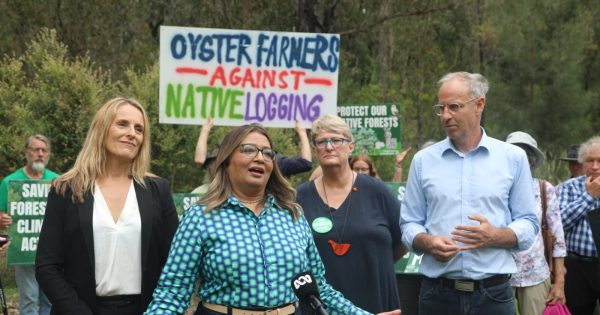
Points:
(239, 77)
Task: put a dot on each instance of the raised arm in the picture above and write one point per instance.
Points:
(398, 165)
(202, 145)
(304, 144)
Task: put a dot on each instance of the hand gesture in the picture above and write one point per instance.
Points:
(208, 125)
(5, 220)
(475, 236)
(592, 186)
(401, 156)
(443, 248)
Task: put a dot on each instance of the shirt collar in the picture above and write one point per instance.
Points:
(484, 144)
(232, 200)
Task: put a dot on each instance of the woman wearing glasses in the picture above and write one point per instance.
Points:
(354, 220)
(363, 164)
(245, 238)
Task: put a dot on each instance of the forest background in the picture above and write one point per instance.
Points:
(62, 59)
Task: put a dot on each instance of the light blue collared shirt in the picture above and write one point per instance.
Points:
(445, 186)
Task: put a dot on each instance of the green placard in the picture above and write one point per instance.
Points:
(375, 127)
(26, 206)
(184, 201)
(410, 262)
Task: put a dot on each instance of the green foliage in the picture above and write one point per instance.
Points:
(542, 59)
(46, 92)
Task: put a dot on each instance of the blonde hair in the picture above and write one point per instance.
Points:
(91, 160)
(219, 187)
(331, 123)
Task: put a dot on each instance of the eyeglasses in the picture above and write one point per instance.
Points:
(361, 169)
(453, 108)
(43, 150)
(335, 142)
(251, 151)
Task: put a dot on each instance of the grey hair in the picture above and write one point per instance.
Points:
(39, 137)
(591, 144)
(331, 123)
(478, 84)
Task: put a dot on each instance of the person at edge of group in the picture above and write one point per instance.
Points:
(109, 222)
(32, 300)
(467, 207)
(287, 165)
(575, 167)
(246, 238)
(579, 197)
(532, 283)
(354, 221)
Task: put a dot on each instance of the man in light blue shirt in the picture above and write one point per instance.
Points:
(468, 204)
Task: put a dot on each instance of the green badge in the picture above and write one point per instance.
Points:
(322, 225)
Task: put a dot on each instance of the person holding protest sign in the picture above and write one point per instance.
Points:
(354, 220)
(579, 199)
(246, 238)
(109, 222)
(288, 165)
(32, 300)
(537, 282)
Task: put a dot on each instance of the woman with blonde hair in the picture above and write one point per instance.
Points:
(109, 222)
(246, 239)
(354, 221)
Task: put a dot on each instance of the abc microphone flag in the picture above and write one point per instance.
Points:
(306, 289)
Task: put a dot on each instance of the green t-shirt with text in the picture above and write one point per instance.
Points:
(19, 175)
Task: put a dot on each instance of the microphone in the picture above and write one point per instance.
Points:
(306, 289)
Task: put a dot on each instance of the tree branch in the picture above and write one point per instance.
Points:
(384, 19)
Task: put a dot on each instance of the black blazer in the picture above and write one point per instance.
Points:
(64, 265)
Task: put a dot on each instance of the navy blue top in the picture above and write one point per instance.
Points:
(292, 165)
(365, 274)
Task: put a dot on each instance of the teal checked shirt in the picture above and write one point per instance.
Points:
(244, 260)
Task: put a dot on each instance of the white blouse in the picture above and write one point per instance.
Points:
(117, 247)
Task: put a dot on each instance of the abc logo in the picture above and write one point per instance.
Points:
(302, 280)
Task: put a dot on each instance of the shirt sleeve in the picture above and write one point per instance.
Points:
(555, 222)
(575, 203)
(334, 300)
(176, 283)
(293, 165)
(413, 212)
(521, 202)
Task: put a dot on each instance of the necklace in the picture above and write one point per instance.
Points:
(338, 247)
(250, 202)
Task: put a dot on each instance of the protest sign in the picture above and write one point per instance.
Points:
(26, 206)
(184, 201)
(240, 77)
(409, 263)
(375, 127)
